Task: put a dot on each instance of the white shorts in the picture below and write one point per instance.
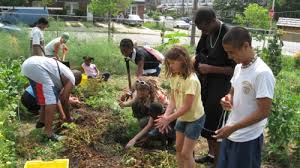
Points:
(42, 84)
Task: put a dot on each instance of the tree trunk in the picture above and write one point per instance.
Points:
(193, 31)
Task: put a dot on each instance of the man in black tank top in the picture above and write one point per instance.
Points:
(148, 64)
(214, 69)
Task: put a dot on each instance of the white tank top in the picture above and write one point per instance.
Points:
(49, 49)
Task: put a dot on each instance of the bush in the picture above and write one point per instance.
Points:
(272, 55)
(297, 60)
(11, 85)
(283, 127)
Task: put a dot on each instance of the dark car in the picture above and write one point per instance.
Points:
(26, 15)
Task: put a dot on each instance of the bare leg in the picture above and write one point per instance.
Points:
(42, 114)
(187, 152)
(49, 115)
(211, 147)
(217, 150)
(179, 145)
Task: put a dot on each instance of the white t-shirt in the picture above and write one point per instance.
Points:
(255, 81)
(45, 70)
(49, 49)
(37, 36)
(89, 70)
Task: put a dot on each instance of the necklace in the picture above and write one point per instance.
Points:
(250, 63)
(210, 37)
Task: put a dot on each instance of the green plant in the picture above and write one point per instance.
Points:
(297, 60)
(283, 126)
(272, 54)
(11, 85)
(173, 38)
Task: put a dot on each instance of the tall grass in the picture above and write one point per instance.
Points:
(106, 54)
(14, 45)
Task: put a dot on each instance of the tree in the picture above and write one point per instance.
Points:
(286, 8)
(254, 16)
(12, 2)
(228, 9)
(46, 2)
(109, 8)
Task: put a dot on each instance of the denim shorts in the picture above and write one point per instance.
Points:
(192, 129)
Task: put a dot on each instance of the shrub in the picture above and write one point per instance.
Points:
(11, 85)
(297, 60)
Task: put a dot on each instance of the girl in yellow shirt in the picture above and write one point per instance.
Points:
(185, 105)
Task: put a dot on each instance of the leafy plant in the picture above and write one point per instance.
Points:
(283, 127)
(11, 85)
(272, 54)
(297, 60)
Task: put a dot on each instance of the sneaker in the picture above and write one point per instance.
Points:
(56, 138)
(205, 159)
(39, 124)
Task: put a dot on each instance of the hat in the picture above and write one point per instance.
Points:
(65, 36)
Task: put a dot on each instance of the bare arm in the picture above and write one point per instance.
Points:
(61, 111)
(98, 73)
(262, 112)
(140, 69)
(171, 106)
(36, 50)
(187, 104)
(56, 49)
(141, 133)
(207, 69)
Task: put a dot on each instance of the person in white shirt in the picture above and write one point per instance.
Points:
(52, 83)
(249, 100)
(37, 41)
(59, 43)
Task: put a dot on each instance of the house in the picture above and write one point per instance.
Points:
(187, 5)
(291, 28)
(137, 7)
(71, 7)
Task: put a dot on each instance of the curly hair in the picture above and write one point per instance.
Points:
(148, 86)
(179, 53)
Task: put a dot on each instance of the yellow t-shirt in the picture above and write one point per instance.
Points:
(180, 87)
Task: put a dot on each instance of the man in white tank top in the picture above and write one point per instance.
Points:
(59, 43)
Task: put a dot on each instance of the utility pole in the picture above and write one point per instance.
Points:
(182, 7)
(193, 31)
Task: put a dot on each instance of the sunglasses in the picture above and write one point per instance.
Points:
(142, 83)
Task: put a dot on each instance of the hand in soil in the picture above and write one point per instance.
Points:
(130, 143)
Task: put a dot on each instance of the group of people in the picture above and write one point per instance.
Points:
(51, 79)
(223, 94)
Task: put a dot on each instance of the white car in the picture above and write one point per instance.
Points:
(133, 20)
(181, 24)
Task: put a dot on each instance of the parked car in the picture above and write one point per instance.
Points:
(181, 24)
(133, 20)
(27, 15)
(9, 27)
(186, 19)
(169, 18)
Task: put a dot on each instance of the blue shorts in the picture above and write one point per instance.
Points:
(240, 154)
(192, 129)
